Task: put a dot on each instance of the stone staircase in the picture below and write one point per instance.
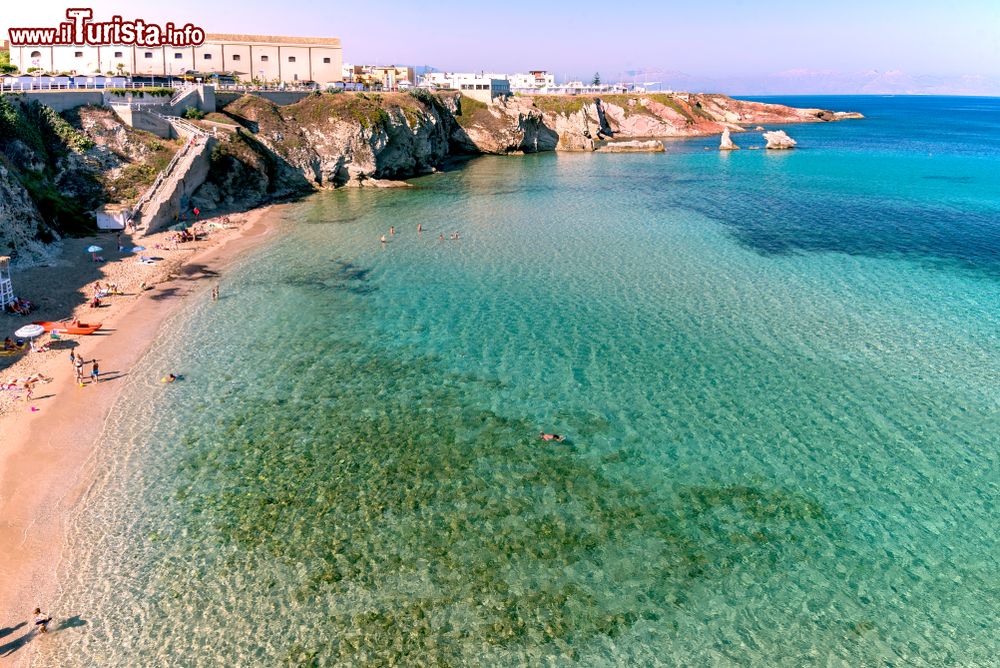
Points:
(162, 203)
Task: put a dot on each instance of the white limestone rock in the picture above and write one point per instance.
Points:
(727, 143)
(778, 140)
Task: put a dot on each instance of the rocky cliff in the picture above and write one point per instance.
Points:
(580, 120)
(57, 169)
(365, 138)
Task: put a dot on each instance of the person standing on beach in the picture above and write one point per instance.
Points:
(72, 357)
(79, 370)
(118, 240)
(95, 372)
(42, 620)
(215, 293)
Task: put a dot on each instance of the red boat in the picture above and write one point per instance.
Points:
(79, 329)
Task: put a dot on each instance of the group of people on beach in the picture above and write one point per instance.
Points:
(78, 367)
(20, 306)
(25, 384)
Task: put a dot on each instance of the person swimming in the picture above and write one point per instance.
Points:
(559, 438)
(169, 378)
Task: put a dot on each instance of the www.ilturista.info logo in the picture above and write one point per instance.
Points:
(80, 30)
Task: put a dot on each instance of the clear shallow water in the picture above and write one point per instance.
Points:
(777, 373)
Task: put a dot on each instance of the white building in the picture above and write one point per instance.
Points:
(483, 87)
(533, 81)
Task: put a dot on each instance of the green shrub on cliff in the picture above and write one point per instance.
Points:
(62, 134)
(468, 109)
(14, 125)
(563, 104)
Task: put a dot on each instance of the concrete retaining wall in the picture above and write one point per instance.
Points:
(144, 120)
(199, 97)
(61, 100)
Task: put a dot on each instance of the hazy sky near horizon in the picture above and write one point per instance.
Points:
(723, 40)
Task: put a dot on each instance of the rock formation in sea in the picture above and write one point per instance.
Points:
(727, 143)
(779, 140)
(635, 146)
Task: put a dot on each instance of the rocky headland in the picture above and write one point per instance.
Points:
(56, 169)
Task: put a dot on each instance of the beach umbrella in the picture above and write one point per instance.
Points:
(138, 249)
(94, 249)
(29, 331)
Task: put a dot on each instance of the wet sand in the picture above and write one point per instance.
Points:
(43, 453)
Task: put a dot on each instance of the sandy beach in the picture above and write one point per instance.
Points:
(46, 441)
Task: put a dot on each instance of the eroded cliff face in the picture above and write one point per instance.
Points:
(22, 229)
(512, 125)
(352, 139)
(347, 138)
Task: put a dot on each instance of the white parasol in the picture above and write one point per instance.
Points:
(29, 331)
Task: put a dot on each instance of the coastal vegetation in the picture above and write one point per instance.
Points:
(469, 111)
(562, 104)
(34, 142)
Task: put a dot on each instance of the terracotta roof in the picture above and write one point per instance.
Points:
(272, 39)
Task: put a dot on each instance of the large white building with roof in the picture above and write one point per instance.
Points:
(266, 58)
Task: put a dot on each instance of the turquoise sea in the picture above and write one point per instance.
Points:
(777, 374)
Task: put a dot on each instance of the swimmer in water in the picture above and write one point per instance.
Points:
(169, 378)
(559, 438)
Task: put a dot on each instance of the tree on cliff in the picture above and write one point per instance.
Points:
(5, 66)
(597, 79)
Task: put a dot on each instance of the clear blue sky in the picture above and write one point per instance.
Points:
(723, 41)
